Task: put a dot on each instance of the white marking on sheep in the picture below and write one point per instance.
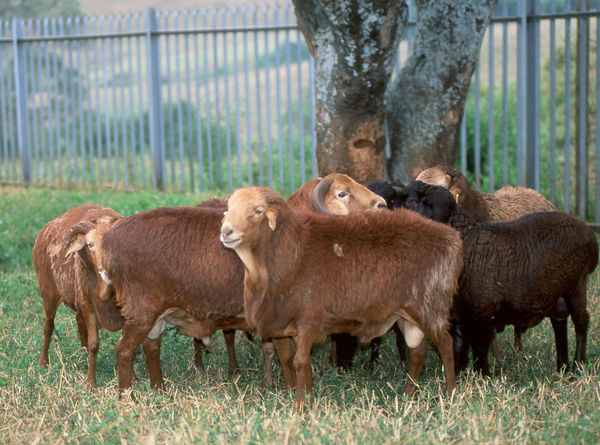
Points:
(157, 330)
(206, 340)
(104, 277)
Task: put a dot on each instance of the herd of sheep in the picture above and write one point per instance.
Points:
(432, 259)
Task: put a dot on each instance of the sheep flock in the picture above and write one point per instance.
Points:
(436, 261)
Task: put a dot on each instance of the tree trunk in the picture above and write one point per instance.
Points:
(353, 43)
(425, 103)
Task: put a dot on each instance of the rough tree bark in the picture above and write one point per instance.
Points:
(425, 103)
(353, 43)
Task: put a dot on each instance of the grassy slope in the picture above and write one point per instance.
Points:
(528, 403)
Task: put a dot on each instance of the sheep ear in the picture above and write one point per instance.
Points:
(272, 217)
(456, 197)
(77, 243)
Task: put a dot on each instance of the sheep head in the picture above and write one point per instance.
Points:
(250, 212)
(85, 238)
(339, 194)
(449, 178)
(431, 201)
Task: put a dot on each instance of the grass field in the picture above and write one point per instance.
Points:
(526, 403)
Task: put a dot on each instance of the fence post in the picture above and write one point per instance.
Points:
(21, 97)
(532, 116)
(155, 111)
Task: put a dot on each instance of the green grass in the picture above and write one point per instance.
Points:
(528, 402)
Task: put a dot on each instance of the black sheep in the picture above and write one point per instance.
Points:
(516, 273)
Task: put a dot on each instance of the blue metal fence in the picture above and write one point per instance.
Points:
(220, 98)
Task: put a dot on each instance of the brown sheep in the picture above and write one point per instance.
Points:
(507, 204)
(516, 272)
(70, 273)
(194, 283)
(310, 275)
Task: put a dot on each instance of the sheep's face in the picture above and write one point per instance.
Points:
(447, 177)
(389, 191)
(431, 201)
(248, 214)
(348, 196)
(86, 238)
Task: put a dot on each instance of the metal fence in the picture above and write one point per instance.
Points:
(221, 98)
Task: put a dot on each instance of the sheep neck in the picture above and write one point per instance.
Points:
(268, 264)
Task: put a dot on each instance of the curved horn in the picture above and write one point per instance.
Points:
(319, 196)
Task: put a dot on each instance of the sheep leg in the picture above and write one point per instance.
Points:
(518, 344)
(82, 329)
(304, 341)
(198, 351)
(559, 326)
(229, 335)
(444, 345)
(375, 345)
(481, 345)
(132, 336)
(151, 349)
(496, 350)
(285, 352)
(268, 352)
(93, 343)
(343, 349)
(581, 319)
(461, 348)
(50, 305)
(400, 343)
(416, 363)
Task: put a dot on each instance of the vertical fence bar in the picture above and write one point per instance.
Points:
(532, 118)
(477, 124)
(268, 100)
(47, 32)
(300, 108)
(42, 93)
(553, 105)
(3, 96)
(132, 138)
(567, 116)
(88, 103)
(258, 100)
(289, 99)
(217, 101)
(198, 106)
(582, 81)
(179, 99)
(207, 99)
(188, 78)
(170, 142)
(463, 143)
(34, 94)
(597, 157)
(80, 78)
(156, 140)
(66, 101)
(505, 97)
(122, 109)
(247, 91)
(238, 142)
(21, 99)
(107, 131)
(491, 127)
(313, 135)
(11, 124)
(142, 127)
(278, 100)
(73, 128)
(98, 112)
(522, 93)
(226, 83)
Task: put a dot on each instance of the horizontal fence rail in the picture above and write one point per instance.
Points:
(215, 99)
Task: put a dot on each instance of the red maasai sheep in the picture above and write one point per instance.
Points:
(309, 275)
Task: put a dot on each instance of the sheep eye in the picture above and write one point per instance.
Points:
(258, 212)
(342, 194)
(90, 245)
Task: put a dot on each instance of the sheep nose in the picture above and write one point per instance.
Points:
(226, 230)
(380, 204)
